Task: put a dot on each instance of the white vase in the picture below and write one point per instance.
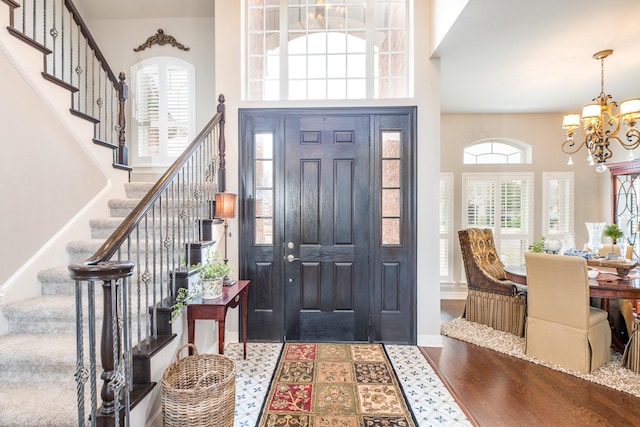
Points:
(212, 289)
(595, 230)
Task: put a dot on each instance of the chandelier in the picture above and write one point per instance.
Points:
(601, 124)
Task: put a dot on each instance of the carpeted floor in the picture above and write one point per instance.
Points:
(612, 374)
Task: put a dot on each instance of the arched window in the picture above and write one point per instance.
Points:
(328, 50)
(497, 151)
(163, 95)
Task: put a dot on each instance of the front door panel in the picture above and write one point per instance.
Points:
(327, 220)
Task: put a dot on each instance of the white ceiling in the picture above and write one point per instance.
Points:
(499, 55)
(536, 55)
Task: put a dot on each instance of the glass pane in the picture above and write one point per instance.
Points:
(337, 65)
(357, 89)
(264, 145)
(264, 203)
(317, 66)
(390, 231)
(391, 173)
(264, 173)
(297, 67)
(390, 202)
(264, 231)
(297, 89)
(336, 89)
(390, 144)
(318, 89)
(357, 65)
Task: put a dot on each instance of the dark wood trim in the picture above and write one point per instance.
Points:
(12, 4)
(45, 50)
(84, 116)
(122, 167)
(59, 82)
(104, 143)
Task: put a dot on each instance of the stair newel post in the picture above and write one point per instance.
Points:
(111, 412)
(222, 172)
(109, 323)
(123, 155)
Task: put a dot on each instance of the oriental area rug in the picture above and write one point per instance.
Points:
(612, 374)
(329, 384)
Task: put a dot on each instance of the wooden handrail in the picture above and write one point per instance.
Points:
(91, 41)
(109, 248)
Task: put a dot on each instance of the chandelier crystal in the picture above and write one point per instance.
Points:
(601, 124)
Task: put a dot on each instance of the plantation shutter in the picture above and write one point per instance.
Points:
(148, 111)
(481, 203)
(446, 219)
(177, 110)
(506, 211)
(558, 203)
(164, 116)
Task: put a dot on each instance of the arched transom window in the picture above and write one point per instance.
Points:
(497, 151)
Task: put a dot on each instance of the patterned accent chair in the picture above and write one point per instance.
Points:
(492, 299)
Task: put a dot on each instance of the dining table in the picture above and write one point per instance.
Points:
(607, 285)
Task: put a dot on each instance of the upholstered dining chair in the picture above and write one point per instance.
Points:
(561, 326)
(606, 249)
(491, 299)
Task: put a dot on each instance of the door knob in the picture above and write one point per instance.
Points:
(291, 258)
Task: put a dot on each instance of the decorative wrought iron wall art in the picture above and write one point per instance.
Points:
(160, 38)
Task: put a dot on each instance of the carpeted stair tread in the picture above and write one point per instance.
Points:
(45, 314)
(39, 405)
(49, 358)
(101, 228)
(56, 281)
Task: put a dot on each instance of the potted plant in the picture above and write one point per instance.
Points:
(209, 285)
(537, 247)
(614, 232)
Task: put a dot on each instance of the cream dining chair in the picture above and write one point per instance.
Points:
(561, 326)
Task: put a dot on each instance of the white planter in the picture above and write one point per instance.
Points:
(212, 289)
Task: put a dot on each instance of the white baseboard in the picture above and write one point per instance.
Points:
(430, 341)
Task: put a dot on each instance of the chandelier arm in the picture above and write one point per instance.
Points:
(569, 144)
(633, 136)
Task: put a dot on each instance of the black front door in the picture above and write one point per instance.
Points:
(326, 228)
(327, 224)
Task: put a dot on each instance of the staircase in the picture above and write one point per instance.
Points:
(38, 355)
(133, 252)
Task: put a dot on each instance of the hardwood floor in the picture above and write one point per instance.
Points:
(498, 390)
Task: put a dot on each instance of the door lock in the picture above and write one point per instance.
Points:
(291, 258)
(290, 245)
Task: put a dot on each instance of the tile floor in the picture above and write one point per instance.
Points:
(431, 402)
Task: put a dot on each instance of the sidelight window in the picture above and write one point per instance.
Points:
(263, 220)
(391, 187)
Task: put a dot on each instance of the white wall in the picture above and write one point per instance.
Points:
(47, 177)
(545, 134)
(228, 81)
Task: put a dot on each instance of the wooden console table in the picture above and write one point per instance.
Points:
(216, 309)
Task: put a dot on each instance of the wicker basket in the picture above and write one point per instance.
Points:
(199, 390)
